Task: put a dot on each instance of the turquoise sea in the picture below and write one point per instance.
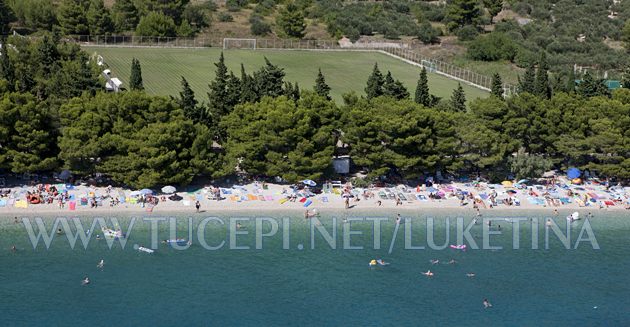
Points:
(322, 286)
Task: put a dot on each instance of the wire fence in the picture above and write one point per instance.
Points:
(399, 49)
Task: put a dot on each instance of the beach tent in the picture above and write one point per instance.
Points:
(573, 173)
(168, 189)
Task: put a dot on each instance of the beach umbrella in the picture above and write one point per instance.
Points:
(550, 173)
(511, 192)
(573, 173)
(522, 181)
(168, 189)
(145, 191)
(506, 183)
(64, 175)
(134, 193)
(309, 182)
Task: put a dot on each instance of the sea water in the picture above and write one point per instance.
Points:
(311, 280)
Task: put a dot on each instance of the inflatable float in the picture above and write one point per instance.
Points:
(143, 249)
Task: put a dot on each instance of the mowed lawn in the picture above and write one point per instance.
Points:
(162, 69)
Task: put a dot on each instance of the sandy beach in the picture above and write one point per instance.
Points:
(254, 197)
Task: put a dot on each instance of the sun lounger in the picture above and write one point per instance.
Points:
(382, 195)
(3, 203)
(422, 197)
(282, 201)
(251, 197)
(565, 200)
(307, 203)
(402, 197)
(268, 198)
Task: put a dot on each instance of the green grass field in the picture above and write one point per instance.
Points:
(162, 69)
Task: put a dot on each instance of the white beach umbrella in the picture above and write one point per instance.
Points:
(168, 189)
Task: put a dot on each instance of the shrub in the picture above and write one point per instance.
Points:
(258, 25)
(225, 17)
(428, 34)
(492, 47)
(467, 33)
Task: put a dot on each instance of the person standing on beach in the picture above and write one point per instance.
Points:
(197, 205)
(347, 201)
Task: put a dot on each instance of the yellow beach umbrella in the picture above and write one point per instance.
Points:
(506, 183)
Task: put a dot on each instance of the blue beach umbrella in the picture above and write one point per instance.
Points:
(145, 191)
(573, 173)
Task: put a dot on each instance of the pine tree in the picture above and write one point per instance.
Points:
(6, 66)
(388, 85)
(6, 17)
(541, 84)
(125, 15)
(494, 7)
(72, 18)
(528, 81)
(218, 91)
(375, 83)
(296, 92)
(187, 102)
(233, 91)
(458, 99)
(248, 89)
(321, 88)
(422, 89)
(47, 56)
(291, 20)
(135, 79)
(591, 87)
(570, 88)
(99, 19)
(497, 86)
(269, 80)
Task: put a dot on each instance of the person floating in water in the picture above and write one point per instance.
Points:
(452, 262)
(470, 274)
(428, 273)
(475, 220)
(101, 264)
(398, 219)
(548, 223)
(435, 261)
(13, 249)
(59, 231)
(487, 304)
(238, 226)
(85, 281)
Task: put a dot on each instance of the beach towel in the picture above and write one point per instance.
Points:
(21, 204)
(282, 201)
(261, 198)
(609, 203)
(3, 203)
(72, 205)
(302, 200)
(251, 197)
(307, 203)
(226, 191)
(324, 199)
(565, 200)
(198, 197)
(268, 198)
(83, 201)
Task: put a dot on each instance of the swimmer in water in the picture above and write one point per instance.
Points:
(452, 262)
(435, 261)
(59, 231)
(478, 213)
(98, 237)
(101, 264)
(13, 249)
(85, 281)
(489, 223)
(15, 221)
(475, 221)
(487, 304)
(428, 273)
(398, 219)
(470, 274)
(345, 220)
(238, 225)
(548, 223)
(555, 212)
